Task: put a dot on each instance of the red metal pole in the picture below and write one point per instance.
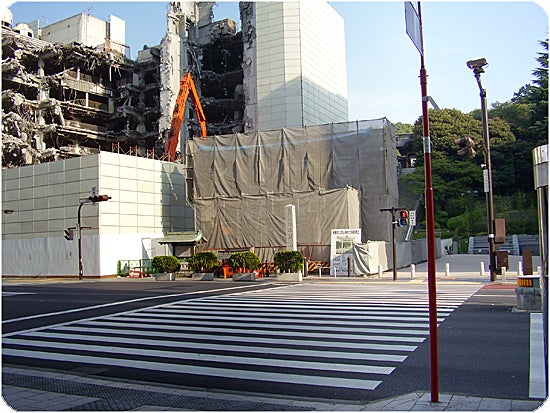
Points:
(430, 232)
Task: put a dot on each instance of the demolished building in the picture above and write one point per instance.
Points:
(65, 100)
(70, 99)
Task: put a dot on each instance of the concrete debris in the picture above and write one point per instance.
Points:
(63, 100)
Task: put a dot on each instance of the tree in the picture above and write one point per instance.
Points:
(403, 128)
(535, 96)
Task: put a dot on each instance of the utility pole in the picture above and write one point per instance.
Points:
(477, 67)
(413, 20)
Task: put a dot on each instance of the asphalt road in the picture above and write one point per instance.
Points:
(483, 351)
(33, 304)
(483, 345)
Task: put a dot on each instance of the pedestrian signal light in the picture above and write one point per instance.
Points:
(403, 218)
(68, 234)
(99, 198)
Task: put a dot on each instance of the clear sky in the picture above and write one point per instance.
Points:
(382, 63)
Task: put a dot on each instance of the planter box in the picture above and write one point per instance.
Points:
(203, 276)
(247, 276)
(165, 276)
(289, 277)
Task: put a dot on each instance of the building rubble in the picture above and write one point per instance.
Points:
(65, 100)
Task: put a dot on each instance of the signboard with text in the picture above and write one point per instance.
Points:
(341, 247)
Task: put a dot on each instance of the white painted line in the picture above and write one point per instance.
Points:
(179, 357)
(328, 325)
(136, 330)
(312, 332)
(308, 315)
(93, 307)
(339, 382)
(228, 347)
(537, 380)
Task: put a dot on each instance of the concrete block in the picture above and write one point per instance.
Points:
(289, 277)
(528, 298)
(165, 276)
(207, 276)
(250, 276)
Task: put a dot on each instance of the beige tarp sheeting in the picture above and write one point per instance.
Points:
(242, 182)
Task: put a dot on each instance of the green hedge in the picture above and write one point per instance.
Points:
(203, 262)
(245, 259)
(165, 263)
(289, 261)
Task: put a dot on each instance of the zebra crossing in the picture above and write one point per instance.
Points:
(334, 337)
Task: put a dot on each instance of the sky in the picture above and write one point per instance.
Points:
(383, 64)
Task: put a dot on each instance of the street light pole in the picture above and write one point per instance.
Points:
(91, 199)
(477, 67)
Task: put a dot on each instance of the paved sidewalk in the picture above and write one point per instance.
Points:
(459, 267)
(42, 390)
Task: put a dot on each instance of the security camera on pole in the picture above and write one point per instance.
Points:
(477, 67)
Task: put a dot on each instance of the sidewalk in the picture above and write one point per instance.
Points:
(460, 267)
(41, 390)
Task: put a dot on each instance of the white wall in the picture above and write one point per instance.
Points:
(147, 200)
(323, 55)
(301, 65)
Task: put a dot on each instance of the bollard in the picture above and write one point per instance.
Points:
(447, 269)
(379, 271)
(538, 270)
(503, 270)
(520, 271)
(482, 269)
(413, 270)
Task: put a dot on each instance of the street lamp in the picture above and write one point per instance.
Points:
(477, 67)
(91, 199)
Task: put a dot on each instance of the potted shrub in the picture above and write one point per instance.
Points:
(244, 262)
(164, 267)
(290, 264)
(203, 263)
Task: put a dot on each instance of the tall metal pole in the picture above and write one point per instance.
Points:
(430, 231)
(488, 175)
(79, 235)
(394, 246)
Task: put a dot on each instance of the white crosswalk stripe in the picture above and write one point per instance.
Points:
(347, 336)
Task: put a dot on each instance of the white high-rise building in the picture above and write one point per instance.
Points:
(294, 65)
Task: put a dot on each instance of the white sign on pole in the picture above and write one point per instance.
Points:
(485, 180)
(341, 247)
(412, 218)
(412, 25)
(290, 216)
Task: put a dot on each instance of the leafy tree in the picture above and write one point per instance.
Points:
(535, 96)
(403, 128)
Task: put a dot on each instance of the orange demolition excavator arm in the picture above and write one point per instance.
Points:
(186, 85)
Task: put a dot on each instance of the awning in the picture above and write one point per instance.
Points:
(184, 238)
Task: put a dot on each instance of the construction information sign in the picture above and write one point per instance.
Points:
(341, 247)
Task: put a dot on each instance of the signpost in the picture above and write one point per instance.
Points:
(413, 20)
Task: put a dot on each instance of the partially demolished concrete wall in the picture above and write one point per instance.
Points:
(65, 100)
(337, 176)
(68, 100)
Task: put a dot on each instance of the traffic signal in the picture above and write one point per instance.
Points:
(68, 234)
(466, 146)
(403, 218)
(99, 198)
